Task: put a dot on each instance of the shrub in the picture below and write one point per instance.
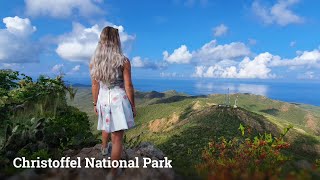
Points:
(259, 157)
(35, 120)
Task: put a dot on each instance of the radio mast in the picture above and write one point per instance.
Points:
(235, 102)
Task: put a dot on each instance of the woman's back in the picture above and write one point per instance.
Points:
(118, 81)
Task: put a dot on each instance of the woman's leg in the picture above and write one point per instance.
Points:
(104, 139)
(116, 138)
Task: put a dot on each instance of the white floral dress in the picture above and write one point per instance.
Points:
(114, 109)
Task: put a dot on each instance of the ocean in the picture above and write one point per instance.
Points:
(305, 92)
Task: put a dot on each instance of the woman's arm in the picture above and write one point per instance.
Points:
(128, 84)
(95, 91)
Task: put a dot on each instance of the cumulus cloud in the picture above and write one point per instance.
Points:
(19, 26)
(213, 53)
(179, 56)
(75, 68)
(57, 68)
(224, 57)
(308, 59)
(256, 68)
(62, 8)
(235, 60)
(80, 44)
(16, 45)
(138, 62)
(220, 30)
(280, 13)
(261, 66)
(209, 53)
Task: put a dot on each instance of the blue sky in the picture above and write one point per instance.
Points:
(168, 39)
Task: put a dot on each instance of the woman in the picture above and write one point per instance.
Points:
(112, 91)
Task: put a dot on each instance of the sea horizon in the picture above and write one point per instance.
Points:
(300, 92)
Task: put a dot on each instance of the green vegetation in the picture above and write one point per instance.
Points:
(304, 117)
(182, 125)
(260, 157)
(36, 120)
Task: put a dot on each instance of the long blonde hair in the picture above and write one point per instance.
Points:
(107, 59)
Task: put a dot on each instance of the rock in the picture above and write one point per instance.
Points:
(145, 149)
(148, 150)
(69, 152)
(130, 154)
(26, 174)
(304, 164)
(86, 150)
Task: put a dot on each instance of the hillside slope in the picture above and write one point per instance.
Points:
(182, 125)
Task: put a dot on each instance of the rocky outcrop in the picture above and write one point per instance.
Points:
(145, 149)
(164, 124)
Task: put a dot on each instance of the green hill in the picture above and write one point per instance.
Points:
(182, 125)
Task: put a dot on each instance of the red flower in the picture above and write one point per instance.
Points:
(107, 120)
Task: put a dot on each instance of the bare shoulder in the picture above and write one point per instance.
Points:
(127, 63)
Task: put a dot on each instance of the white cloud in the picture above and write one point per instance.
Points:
(19, 26)
(261, 66)
(169, 74)
(62, 8)
(13, 66)
(213, 53)
(57, 68)
(308, 75)
(137, 62)
(76, 68)
(220, 30)
(227, 63)
(179, 56)
(279, 13)
(293, 43)
(256, 68)
(16, 45)
(79, 45)
(309, 59)
(233, 61)
(199, 71)
(222, 55)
